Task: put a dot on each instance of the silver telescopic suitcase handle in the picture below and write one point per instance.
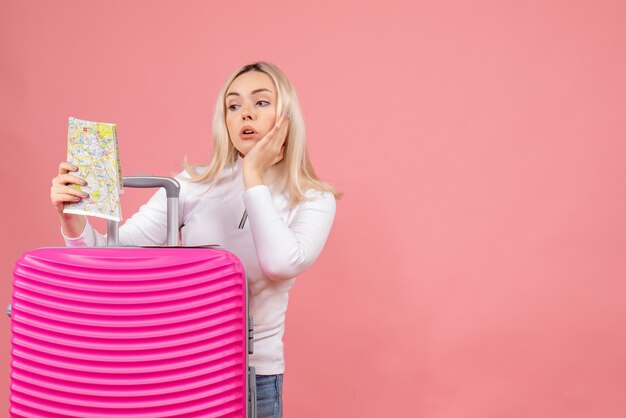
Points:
(172, 191)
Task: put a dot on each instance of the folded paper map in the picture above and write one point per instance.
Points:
(93, 148)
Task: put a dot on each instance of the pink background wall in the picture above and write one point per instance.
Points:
(476, 267)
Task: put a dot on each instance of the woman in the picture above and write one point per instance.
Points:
(258, 197)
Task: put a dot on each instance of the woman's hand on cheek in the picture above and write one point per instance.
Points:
(265, 153)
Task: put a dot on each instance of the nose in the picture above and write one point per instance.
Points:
(247, 113)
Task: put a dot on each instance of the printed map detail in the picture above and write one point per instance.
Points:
(93, 148)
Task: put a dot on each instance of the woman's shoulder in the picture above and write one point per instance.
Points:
(314, 194)
(187, 180)
(192, 182)
(199, 173)
(192, 172)
(320, 199)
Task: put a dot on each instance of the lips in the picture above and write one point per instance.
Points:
(247, 132)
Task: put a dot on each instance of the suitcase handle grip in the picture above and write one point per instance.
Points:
(171, 186)
(172, 191)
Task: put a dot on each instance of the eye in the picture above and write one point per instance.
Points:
(232, 107)
(262, 103)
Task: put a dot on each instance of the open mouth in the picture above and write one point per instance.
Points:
(247, 132)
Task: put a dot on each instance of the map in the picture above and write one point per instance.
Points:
(93, 148)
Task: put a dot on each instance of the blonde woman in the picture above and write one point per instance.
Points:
(258, 197)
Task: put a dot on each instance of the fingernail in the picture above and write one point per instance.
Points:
(83, 182)
(287, 114)
(74, 167)
(86, 194)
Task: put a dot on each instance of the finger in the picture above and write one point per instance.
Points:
(267, 138)
(73, 191)
(272, 134)
(59, 199)
(279, 127)
(280, 156)
(279, 138)
(274, 130)
(68, 179)
(67, 190)
(284, 132)
(280, 122)
(65, 168)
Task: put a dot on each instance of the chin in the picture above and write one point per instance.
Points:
(243, 151)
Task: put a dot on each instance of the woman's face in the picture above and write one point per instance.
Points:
(250, 109)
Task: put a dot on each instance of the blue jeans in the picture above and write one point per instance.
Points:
(269, 396)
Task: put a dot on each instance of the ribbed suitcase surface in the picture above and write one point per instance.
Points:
(128, 332)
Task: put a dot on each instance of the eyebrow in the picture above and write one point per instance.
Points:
(232, 93)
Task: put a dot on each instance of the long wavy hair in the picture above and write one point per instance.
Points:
(294, 171)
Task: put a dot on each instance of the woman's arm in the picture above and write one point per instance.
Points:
(146, 227)
(61, 193)
(285, 251)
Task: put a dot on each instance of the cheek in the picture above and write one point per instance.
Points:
(231, 126)
(229, 122)
(269, 123)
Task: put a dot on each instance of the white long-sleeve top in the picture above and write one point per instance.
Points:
(276, 244)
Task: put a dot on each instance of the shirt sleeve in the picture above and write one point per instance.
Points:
(286, 250)
(88, 238)
(146, 227)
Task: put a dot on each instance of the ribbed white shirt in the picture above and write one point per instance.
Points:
(276, 244)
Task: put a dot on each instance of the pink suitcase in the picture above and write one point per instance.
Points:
(131, 332)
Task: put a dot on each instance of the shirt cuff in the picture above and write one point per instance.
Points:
(257, 198)
(85, 239)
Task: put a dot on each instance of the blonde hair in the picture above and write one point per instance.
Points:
(295, 170)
